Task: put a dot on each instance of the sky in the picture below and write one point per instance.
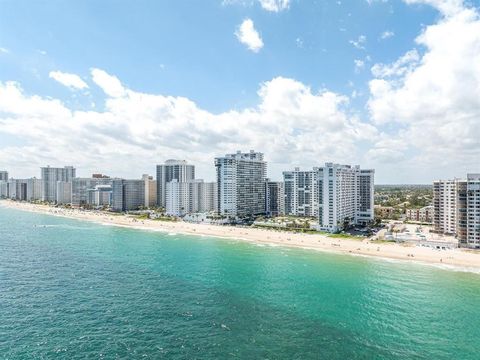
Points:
(118, 86)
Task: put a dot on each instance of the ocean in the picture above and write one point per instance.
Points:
(75, 290)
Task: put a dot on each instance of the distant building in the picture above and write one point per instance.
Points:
(274, 198)
(64, 192)
(150, 191)
(3, 189)
(178, 170)
(82, 189)
(194, 196)
(50, 178)
(127, 194)
(385, 212)
(34, 189)
(241, 184)
(100, 176)
(100, 195)
(17, 189)
(424, 214)
(3, 175)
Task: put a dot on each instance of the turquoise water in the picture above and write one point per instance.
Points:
(76, 290)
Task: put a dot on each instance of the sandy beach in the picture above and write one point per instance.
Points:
(456, 258)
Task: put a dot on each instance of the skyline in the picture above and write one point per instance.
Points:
(194, 81)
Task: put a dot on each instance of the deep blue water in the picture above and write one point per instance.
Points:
(76, 290)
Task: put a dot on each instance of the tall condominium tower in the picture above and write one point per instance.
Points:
(241, 184)
(274, 198)
(301, 192)
(50, 177)
(445, 194)
(3, 175)
(127, 194)
(346, 196)
(178, 170)
(457, 209)
(193, 196)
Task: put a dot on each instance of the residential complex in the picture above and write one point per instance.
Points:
(457, 209)
(3, 175)
(302, 190)
(424, 214)
(150, 191)
(178, 170)
(194, 196)
(127, 194)
(51, 176)
(274, 198)
(83, 190)
(241, 184)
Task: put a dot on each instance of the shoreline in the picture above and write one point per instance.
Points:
(456, 259)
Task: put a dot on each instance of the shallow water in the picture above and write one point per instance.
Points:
(75, 289)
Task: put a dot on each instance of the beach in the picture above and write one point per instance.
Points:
(454, 258)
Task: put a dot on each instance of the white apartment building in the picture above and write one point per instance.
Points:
(172, 170)
(34, 189)
(445, 206)
(424, 214)
(241, 184)
(345, 196)
(51, 176)
(64, 192)
(194, 196)
(301, 192)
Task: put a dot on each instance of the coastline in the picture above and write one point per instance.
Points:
(455, 259)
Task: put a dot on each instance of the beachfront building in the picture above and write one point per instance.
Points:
(345, 196)
(34, 189)
(51, 176)
(424, 214)
(194, 196)
(241, 184)
(301, 192)
(150, 191)
(274, 198)
(445, 206)
(3, 175)
(468, 212)
(178, 170)
(17, 189)
(83, 189)
(100, 195)
(64, 192)
(128, 194)
(3, 189)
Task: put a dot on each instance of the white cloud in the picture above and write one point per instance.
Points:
(387, 34)
(434, 97)
(108, 83)
(291, 123)
(4, 50)
(248, 35)
(360, 42)
(275, 5)
(71, 81)
(359, 64)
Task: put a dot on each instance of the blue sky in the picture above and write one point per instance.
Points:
(189, 49)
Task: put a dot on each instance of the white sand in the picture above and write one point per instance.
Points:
(457, 258)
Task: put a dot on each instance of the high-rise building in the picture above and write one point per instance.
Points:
(64, 192)
(3, 175)
(82, 188)
(3, 189)
(127, 194)
(17, 189)
(150, 191)
(345, 196)
(445, 194)
(274, 198)
(241, 184)
(178, 170)
(466, 209)
(51, 176)
(194, 196)
(301, 192)
(34, 189)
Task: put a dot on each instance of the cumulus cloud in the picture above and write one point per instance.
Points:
(292, 124)
(71, 81)
(249, 36)
(110, 84)
(386, 35)
(435, 96)
(360, 42)
(275, 5)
